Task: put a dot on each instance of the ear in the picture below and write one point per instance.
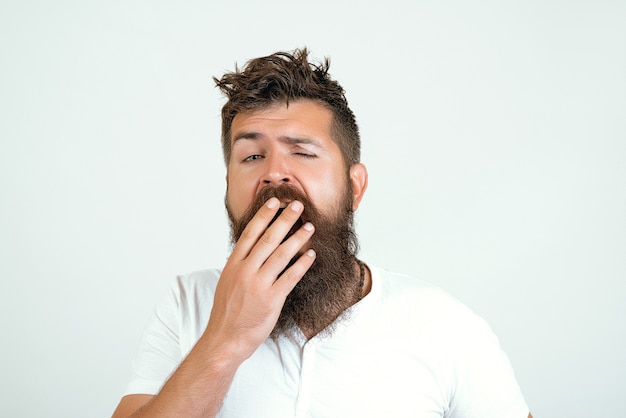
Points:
(358, 179)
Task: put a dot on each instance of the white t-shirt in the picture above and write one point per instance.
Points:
(407, 349)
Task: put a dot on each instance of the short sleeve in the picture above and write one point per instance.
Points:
(484, 383)
(159, 353)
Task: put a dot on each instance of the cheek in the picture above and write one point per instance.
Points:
(332, 194)
(239, 196)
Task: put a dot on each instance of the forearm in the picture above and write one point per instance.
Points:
(198, 387)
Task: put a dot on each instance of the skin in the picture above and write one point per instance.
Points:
(290, 145)
(272, 146)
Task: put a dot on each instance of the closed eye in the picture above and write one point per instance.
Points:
(305, 155)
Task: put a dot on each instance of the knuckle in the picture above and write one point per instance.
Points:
(285, 221)
(247, 233)
(280, 253)
(289, 275)
(267, 238)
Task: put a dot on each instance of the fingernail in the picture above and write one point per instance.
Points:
(272, 203)
(296, 206)
(308, 226)
(310, 253)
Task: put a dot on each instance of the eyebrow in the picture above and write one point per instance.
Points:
(291, 140)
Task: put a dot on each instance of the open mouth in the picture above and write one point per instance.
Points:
(295, 226)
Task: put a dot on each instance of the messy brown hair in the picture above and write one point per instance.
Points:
(283, 77)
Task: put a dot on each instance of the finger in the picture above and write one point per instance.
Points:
(285, 252)
(255, 228)
(276, 233)
(290, 278)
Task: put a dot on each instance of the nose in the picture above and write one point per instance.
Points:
(277, 172)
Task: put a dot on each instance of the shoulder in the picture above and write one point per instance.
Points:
(404, 289)
(456, 341)
(199, 281)
(184, 310)
(189, 292)
(197, 284)
(424, 304)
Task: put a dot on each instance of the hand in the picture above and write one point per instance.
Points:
(249, 295)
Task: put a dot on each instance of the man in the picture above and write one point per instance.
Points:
(295, 324)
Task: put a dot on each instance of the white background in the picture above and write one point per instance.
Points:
(494, 133)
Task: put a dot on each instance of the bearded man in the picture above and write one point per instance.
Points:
(295, 325)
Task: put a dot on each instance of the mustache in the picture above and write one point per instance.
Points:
(283, 192)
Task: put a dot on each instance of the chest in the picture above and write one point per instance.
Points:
(348, 377)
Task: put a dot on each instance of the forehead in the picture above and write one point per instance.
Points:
(302, 117)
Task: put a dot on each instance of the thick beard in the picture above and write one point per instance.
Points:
(331, 285)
